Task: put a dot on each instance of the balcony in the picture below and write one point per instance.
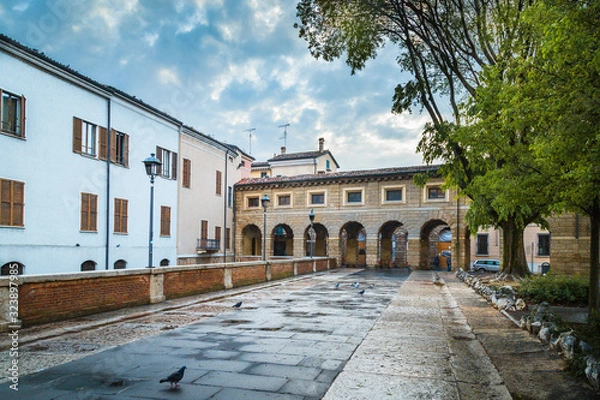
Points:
(208, 245)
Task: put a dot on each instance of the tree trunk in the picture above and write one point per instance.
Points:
(594, 257)
(513, 251)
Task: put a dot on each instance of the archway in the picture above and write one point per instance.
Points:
(10, 268)
(321, 237)
(251, 241)
(393, 245)
(431, 254)
(283, 241)
(353, 244)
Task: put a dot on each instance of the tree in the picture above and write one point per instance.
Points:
(559, 97)
(445, 45)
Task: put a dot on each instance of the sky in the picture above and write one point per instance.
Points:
(232, 69)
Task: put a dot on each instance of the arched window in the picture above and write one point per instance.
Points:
(120, 264)
(164, 262)
(13, 265)
(88, 265)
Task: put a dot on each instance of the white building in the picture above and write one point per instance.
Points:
(209, 171)
(74, 192)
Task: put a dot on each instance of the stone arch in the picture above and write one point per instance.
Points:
(321, 238)
(429, 242)
(251, 241)
(6, 268)
(283, 241)
(120, 264)
(393, 245)
(164, 262)
(353, 246)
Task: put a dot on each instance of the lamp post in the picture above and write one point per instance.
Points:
(265, 200)
(151, 163)
(312, 232)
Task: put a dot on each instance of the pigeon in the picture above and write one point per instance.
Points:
(337, 285)
(237, 305)
(371, 286)
(362, 291)
(174, 378)
(356, 285)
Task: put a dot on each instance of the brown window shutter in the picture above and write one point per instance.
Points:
(204, 230)
(124, 215)
(5, 201)
(103, 153)
(174, 166)
(93, 212)
(165, 221)
(85, 207)
(22, 122)
(219, 182)
(113, 146)
(159, 156)
(117, 217)
(77, 135)
(18, 203)
(126, 151)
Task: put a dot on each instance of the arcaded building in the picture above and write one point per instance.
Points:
(373, 218)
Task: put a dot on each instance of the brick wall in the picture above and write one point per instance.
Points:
(188, 282)
(248, 275)
(282, 270)
(51, 298)
(41, 302)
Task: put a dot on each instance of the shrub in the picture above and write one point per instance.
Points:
(556, 289)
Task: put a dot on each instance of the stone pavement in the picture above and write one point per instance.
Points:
(423, 336)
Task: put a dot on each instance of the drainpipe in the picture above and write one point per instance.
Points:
(108, 145)
(225, 198)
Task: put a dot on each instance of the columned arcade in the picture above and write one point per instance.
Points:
(374, 218)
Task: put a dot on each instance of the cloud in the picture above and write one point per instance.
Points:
(168, 76)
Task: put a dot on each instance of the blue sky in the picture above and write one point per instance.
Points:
(227, 66)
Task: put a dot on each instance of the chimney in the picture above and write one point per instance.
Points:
(282, 149)
(321, 144)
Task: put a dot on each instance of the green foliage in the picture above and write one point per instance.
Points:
(563, 290)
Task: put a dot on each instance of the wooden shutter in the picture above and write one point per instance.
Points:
(219, 183)
(103, 152)
(174, 166)
(159, 155)
(126, 151)
(204, 230)
(113, 145)
(165, 221)
(77, 135)
(18, 197)
(89, 212)
(187, 173)
(22, 119)
(120, 216)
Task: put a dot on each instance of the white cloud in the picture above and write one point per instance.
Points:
(198, 18)
(248, 72)
(151, 38)
(168, 76)
(266, 15)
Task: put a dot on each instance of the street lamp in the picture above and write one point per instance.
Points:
(265, 200)
(312, 232)
(151, 163)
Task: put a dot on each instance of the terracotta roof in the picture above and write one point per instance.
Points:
(335, 176)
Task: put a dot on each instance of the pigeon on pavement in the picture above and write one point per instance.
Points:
(337, 285)
(174, 378)
(372, 286)
(356, 285)
(237, 305)
(362, 291)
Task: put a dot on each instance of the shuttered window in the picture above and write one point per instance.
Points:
(204, 230)
(119, 148)
(89, 212)
(12, 114)
(228, 238)
(168, 168)
(165, 221)
(219, 183)
(92, 140)
(12, 199)
(218, 233)
(121, 206)
(187, 173)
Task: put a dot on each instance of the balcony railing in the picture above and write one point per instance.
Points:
(208, 245)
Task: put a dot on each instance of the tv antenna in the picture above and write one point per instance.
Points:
(250, 139)
(284, 137)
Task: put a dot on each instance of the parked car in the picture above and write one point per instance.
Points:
(486, 265)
